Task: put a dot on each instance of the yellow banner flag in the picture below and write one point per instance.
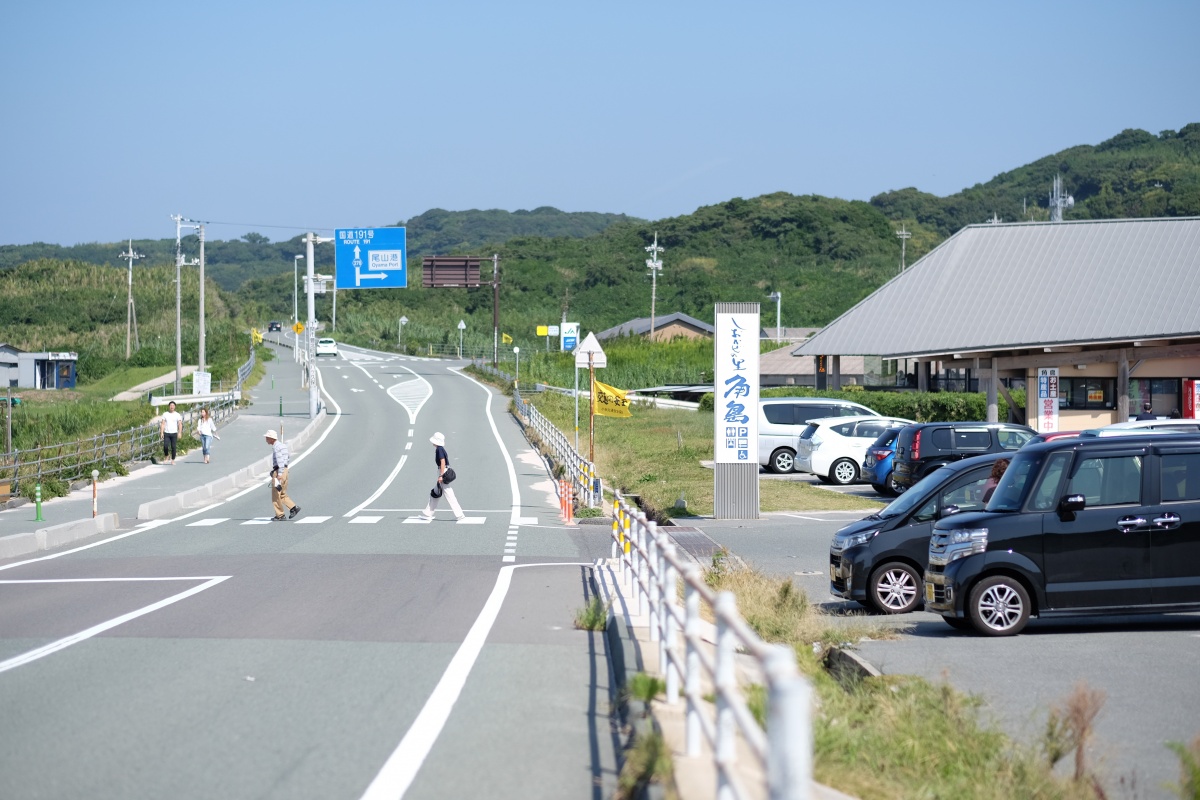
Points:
(505, 339)
(610, 402)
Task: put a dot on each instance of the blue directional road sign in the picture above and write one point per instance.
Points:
(371, 258)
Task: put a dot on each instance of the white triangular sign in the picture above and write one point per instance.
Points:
(590, 345)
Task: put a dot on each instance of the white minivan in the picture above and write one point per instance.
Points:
(781, 420)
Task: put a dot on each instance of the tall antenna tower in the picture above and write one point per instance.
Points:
(1058, 201)
(903, 235)
(655, 265)
(130, 313)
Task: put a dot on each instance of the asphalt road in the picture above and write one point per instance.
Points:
(1146, 665)
(352, 652)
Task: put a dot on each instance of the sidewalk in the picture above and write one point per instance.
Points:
(136, 392)
(241, 445)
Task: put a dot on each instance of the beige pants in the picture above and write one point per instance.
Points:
(279, 497)
(448, 493)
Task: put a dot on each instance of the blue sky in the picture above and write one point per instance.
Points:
(279, 117)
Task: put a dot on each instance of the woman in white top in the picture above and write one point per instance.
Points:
(207, 430)
(172, 421)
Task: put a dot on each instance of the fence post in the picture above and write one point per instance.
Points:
(691, 677)
(789, 728)
(654, 562)
(671, 629)
(725, 682)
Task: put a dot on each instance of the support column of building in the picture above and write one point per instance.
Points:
(835, 373)
(1123, 386)
(922, 376)
(993, 381)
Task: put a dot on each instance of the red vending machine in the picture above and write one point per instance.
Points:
(1191, 398)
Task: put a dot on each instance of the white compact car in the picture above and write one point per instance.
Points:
(326, 347)
(833, 448)
(781, 420)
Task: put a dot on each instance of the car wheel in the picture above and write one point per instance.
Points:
(879, 489)
(782, 460)
(958, 623)
(895, 588)
(893, 489)
(843, 472)
(998, 606)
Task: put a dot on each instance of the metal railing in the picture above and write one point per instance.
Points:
(577, 469)
(651, 570)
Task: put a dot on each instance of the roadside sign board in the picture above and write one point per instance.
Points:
(570, 336)
(298, 327)
(1047, 399)
(590, 345)
(371, 258)
(201, 382)
(542, 330)
(735, 395)
(553, 330)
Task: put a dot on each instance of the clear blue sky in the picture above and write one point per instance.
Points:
(276, 117)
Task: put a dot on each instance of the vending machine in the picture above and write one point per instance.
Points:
(1191, 398)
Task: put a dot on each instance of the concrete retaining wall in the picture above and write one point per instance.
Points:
(20, 544)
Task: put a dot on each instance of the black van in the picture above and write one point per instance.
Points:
(924, 447)
(1076, 526)
(878, 561)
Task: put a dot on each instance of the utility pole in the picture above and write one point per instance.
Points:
(311, 239)
(903, 235)
(655, 265)
(179, 263)
(778, 298)
(130, 315)
(495, 309)
(201, 367)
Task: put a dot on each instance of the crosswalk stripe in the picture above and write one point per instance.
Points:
(206, 522)
(365, 520)
(258, 521)
(311, 520)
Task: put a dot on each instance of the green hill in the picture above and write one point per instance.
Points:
(1133, 174)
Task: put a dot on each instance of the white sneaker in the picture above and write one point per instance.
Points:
(426, 517)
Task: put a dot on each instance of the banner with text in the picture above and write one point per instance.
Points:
(611, 402)
(736, 388)
(1047, 399)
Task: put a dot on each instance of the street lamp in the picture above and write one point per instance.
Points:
(517, 379)
(400, 337)
(462, 326)
(778, 298)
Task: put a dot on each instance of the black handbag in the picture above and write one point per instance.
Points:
(448, 476)
(436, 491)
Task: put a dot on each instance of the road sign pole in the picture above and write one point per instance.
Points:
(310, 241)
(496, 310)
(592, 408)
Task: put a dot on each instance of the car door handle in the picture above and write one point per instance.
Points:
(1167, 521)
(1127, 524)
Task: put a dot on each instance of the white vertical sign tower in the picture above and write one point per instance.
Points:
(1047, 399)
(735, 411)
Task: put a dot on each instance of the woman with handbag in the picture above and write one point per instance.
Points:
(445, 477)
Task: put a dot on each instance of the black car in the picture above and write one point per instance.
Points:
(878, 561)
(1075, 526)
(922, 448)
(274, 326)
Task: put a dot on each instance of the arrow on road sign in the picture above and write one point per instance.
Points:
(375, 276)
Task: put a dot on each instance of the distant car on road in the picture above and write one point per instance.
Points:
(274, 326)
(781, 420)
(877, 466)
(922, 448)
(326, 347)
(833, 449)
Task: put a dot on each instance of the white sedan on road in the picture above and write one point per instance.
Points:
(833, 448)
(326, 347)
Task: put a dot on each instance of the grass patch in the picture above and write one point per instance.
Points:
(593, 616)
(647, 762)
(123, 380)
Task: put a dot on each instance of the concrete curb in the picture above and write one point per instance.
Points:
(846, 666)
(20, 544)
(202, 495)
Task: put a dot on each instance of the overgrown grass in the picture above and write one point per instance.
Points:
(593, 616)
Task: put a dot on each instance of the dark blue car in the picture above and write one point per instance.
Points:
(877, 466)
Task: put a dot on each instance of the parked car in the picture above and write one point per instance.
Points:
(834, 448)
(1076, 526)
(1051, 436)
(781, 420)
(877, 466)
(326, 347)
(879, 560)
(1145, 425)
(274, 326)
(922, 448)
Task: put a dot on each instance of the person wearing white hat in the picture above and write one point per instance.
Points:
(445, 475)
(279, 478)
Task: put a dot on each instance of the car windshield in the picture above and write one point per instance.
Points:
(913, 497)
(1014, 486)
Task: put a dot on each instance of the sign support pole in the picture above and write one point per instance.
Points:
(496, 310)
(592, 408)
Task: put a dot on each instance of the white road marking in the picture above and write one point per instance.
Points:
(382, 488)
(312, 520)
(402, 766)
(418, 520)
(258, 521)
(525, 520)
(408, 446)
(472, 520)
(509, 559)
(206, 522)
(54, 647)
(410, 431)
(508, 462)
(365, 520)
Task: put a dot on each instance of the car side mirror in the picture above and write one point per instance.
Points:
(1072, 503)
(948, 510)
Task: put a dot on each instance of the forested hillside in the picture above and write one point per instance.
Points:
(1133, 174)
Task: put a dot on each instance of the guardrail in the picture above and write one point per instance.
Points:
(577, 469)
(652, 570)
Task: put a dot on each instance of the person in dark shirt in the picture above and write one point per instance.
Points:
(1146, 413)
(442, 459)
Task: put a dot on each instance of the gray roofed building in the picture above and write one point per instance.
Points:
(667, 326)
(1005, 286)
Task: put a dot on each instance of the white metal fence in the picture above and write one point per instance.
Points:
(577, 469)
(652, 570)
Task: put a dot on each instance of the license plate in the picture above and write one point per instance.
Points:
(928, 592)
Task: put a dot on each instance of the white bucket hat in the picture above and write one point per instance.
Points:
(271, 435)
(438, 439)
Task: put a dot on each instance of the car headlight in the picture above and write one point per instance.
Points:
(843, 541)
(965, 542)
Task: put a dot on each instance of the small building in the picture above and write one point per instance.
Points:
(9, 361)
(666, 328)
(1099, 315)
(48, 370)
(781, 368)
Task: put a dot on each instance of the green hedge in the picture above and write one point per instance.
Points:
(918, 406)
